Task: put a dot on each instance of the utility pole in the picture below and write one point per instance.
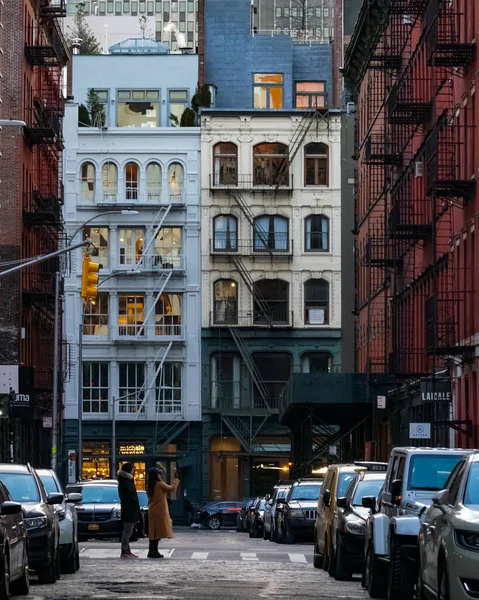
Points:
(80, 398)
(56, 369)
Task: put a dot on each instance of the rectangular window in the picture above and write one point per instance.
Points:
(191, 26)
(178, 101)
(102, 8)
(95, 387)
(138, 108)
(191, 6)
(191, 37)
(174, 6)
(268, 90)
(109, 6)
(126, 6)
(131, 246)
(158, 6)
(326, 32)
(117, 8)
(132, 388)
(168, 388)
(99, 237)
(166, 16)
(182, 26)
(326, 12)
(310, 94)
(183, 6)
(286, 12)
(134, 8)
(142, 6)
(150, 8)
(95, 319)
(226, 381)
(294, 12)
(131, 314)
(278, 12)
(168, 315)
(167, 251)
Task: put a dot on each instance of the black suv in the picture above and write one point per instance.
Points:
(298, 510)
(41, 519)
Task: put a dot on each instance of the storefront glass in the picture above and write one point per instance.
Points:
(225, 480)
(96, 460)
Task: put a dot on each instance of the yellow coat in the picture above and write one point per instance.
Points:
(159, 522)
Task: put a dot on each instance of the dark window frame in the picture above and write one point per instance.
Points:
(317, 165)
(320, 304)
(316, 236)
(230, 242)
(227, 173)
(230, 316)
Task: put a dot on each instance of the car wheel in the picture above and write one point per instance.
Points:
(5, 578)
(238, 525)
(326, 555)
(341, 573)
(21, 587)
(443, 583)
(375, 575)
(68, 564)
(48, 573)
(400, 580)
(317, 557)
(213, 522)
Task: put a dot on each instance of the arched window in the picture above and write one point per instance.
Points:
(316, 238)
(225, 157)
(175, 178)
(225, 302)
(316, 302)
(131, 181)
(271, 301)
(316, 164)
(153, 182)
(110, 182)
(270, 233)
(225, 233)
(88, 181)
(270, 165)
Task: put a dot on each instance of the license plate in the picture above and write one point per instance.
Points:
(93, 527)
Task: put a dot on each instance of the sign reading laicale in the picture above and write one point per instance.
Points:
(437, 390)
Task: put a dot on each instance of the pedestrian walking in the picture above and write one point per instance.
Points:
(130, 507)
(159, 522)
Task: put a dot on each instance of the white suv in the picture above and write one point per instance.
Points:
(413, 477)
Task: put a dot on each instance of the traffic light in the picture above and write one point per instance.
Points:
(89, 278)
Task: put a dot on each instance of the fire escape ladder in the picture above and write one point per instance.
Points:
(242, 430)
(252, 368)
(159, 289)
(169, 432)
(301, 132)
(160, 359)
(258, 298)
(157, 224)
(257, 229)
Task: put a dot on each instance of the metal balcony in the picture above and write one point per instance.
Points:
(378, 252)
(47, 45)
(444, 47)
(407, 7)
(404, 222)
(42, 210)
(250, 318)
(43, 126)
(156, 333)
(53, 8)
(277, 248)
(404, 108)
(379, 151)
(130, 263)
(260, 182)
(442, 316)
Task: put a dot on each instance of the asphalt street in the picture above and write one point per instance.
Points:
(199, 565)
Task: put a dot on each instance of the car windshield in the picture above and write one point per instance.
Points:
(429, 472)
(367, 487)
(343, 483)
(471, 498)
(305, 492)
(49, 484)
(143, 498)
(100, 494)
(22, 486)
(261, 505)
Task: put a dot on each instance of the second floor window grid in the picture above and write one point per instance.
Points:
(225, 235)
(131, 246)
(168, 388)
(131, 314)
(96, 316)
(168, 248)
(270, 233)
(95, 387)
(317, 233)
(316, 302)
(268, 90)
(226, 381)
(168, 315)
(316, 164)
(131, 388)
(99, 237)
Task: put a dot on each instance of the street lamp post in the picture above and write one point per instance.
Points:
(80, 349)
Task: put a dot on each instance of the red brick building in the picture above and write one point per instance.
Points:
(34, 56)
(411, 66)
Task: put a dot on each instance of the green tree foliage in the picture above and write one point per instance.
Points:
(83, 116)
(82, 31)
(96, 109)
(188, 118)
(201, 98)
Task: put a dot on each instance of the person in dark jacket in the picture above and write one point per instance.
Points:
(130, 507)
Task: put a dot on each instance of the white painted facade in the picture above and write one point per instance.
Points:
(297, 265)
(151, 264)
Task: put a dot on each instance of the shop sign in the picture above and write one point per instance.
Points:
(17, 382)
(420, 431)
(129, 449)
(438, 390)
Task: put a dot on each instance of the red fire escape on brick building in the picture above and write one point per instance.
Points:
(402, 65)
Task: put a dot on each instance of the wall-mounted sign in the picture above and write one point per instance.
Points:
(381, 401)
(437, 390)
(72, 459)
(420, 431)
(127, 449)
(47, 422)
(17, 382)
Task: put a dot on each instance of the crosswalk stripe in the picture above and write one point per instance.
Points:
(297, 558)
(200, 555)
(249, 556)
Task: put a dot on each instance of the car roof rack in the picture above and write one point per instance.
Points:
(303, 479)
(371, 466)
(284, 482)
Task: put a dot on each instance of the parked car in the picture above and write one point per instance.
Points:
(298, 511)
(14, 573)
(257, 522)
(67, 516)
(348, 527)
(240, 519)
(219, 514)
(449, 537)
(41, 519)
(99, 512)
(413, 478)
(270, 509)
(336, 482)
(143, 525)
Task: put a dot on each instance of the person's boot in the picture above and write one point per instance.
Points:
(151, 549)
(155, 553)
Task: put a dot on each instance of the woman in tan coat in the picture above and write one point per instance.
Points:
(159, 522)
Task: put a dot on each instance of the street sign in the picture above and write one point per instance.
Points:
(333, 450)
(47, 422)
(381, 401)
(72, 457)
(420, 431)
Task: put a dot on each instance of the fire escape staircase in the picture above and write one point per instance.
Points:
(170, 431)
(158, 290)
(159, 361)
(157, 224)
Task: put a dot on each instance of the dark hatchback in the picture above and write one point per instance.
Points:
(41, 519)
(218, 514)
(241, 522)
(14, 574)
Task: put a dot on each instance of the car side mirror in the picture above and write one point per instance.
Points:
(369, 502)
(342, 502)
(74, 497)
(441, 499)
(327, 498)
(396, 491)
(55, 498)
(11, 508)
